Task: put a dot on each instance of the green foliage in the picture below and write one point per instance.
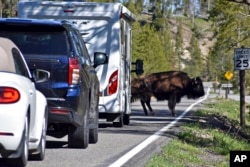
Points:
(147, 45)
(169, 157)
(102, 0)
(172, 59)
(161, 46)
(205, 142)
(178, 44)
(157, 17)
(230, 22)
(8, 8)
(133, 7)
(195, 65)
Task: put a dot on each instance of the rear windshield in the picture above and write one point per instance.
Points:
(38, 42)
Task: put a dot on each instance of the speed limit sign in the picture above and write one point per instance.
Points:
(242, 58)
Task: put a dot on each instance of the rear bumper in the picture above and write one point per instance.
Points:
(12, 122)
(109, 104)
(64, 115)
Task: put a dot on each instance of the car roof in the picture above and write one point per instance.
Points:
(6, 58)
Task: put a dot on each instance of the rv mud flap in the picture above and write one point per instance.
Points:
(111, 117)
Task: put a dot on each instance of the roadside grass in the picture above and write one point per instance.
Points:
(208, 140)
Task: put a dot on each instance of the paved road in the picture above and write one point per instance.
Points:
(222, 93)
(140, 140)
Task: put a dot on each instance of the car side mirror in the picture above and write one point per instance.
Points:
(100, 58)
(138, 67)
(40, 75)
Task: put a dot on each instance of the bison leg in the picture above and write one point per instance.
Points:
(144, 107)
(172, 103)
(149, 106)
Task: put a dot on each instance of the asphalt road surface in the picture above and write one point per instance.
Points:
(128, 146)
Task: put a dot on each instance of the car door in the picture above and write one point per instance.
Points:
(88, 63)
(22, 69)
(78, 53)
(90, 73)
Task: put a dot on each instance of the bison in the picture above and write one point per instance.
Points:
(169, 85)
(140, 91)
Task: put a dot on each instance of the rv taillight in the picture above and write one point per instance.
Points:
(113, 83)
(9, 95)
(74, 71)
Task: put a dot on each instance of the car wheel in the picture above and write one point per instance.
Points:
(78, 137)
(126, 119)
(120, 122)
(93, 133)
(93, 136)
(23, 159)
(40, 154)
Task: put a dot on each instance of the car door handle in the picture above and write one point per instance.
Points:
(31, 92)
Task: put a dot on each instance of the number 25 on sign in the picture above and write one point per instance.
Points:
(242, 58)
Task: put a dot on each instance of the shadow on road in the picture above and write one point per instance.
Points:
(56, 144)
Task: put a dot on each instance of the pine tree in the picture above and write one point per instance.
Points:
(195, 65)
(168, 47)
(231, 28)
(178, 45)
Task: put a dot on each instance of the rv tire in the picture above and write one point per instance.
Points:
(126, 119)
(120, 122)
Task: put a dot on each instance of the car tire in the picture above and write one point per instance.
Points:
(120, 122)
(23, 159)
(78, 137)
(93, 136)
(42, 145)
(126, 119)
(93, 133)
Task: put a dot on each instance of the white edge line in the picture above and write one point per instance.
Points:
(122, 160)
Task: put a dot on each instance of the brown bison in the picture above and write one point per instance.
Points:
(169, 85)
(141, 92)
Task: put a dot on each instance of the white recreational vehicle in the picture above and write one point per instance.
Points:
(106, 29)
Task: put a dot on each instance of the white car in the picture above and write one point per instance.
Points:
(23, 109)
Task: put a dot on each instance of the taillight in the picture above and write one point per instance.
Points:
(113, 83)
(9, 95)
(59, 111)
(74, 71)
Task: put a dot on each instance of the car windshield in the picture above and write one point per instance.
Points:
(49, 43)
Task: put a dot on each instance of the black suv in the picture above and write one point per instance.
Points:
(73, 88)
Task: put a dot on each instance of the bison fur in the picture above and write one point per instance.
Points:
(168, 85)
(140, 92)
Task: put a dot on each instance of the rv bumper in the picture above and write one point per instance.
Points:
(109, 105)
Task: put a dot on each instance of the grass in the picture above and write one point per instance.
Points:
(167, 157)
(206, 143)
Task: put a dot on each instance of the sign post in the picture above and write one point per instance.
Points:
(242, 63)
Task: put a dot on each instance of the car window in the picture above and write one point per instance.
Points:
(78, 45)
(75, 43)
(49, 43)
(19, 63)
(83, 48)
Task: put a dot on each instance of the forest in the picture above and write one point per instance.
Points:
(194, 36)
